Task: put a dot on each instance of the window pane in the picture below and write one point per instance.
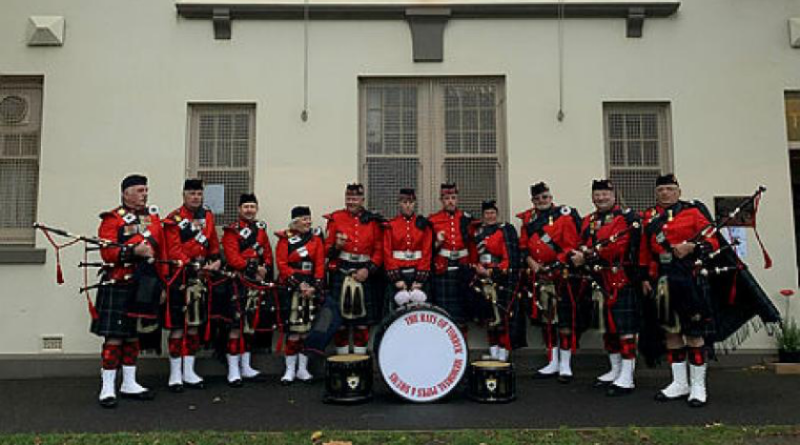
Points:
(235, 183)
(476, 179)
(386, 176)
(635, 187)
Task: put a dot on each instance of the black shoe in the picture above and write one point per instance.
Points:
(236, 383)
(108, 402)
(145, 395)
(564, 379)
(199, 385)
(286, 382)
(601, 384)
(661, 397)
(617, 391)
(542, 376)
(694, 403)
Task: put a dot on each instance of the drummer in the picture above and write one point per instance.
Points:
(495, 268)
(407, 245)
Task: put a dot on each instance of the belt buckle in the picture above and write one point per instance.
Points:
(306, 266)
(408, 255)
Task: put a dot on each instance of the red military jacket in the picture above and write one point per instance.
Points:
(494, 244)
(598, 228)
(458, 245)
(525, 217)
(664, 228)
(244, 241)
(407, 243)
(123, 225)
(364, 242)
(191, 235)
(300, 256)
(552, 234)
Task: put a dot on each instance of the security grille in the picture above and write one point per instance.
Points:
(20, 129)
(221, 148)
(638, 149)
(420, 132)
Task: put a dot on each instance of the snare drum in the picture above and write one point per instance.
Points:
(421, 353)
(348, 378)
(492, 382)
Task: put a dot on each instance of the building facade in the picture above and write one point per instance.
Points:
(294, 99)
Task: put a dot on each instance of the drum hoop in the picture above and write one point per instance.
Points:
(348, 358)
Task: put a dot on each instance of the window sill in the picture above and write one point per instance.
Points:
(22, 255)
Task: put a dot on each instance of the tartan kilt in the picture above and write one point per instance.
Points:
(371, 299)
(625, 312)
(175, 316)
(225, 303)
(390, 291)
(482, 307)
(285, 306)
(113, 304)
(692, 304)
(573, 304)
(450, 291)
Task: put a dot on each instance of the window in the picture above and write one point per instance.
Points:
(20, 131)
(221, 151)
(792, 105)
(638, 149)
(422, 132)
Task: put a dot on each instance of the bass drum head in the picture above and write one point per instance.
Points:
(421, 353)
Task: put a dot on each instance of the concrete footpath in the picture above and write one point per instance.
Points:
(740, 393)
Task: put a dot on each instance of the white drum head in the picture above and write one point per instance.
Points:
(422, 355)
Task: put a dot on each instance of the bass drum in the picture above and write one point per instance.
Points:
(421, 353)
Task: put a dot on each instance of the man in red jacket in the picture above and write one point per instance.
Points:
(300, 255)
(354, 246)
(610, 238)
(675, 234)
(551, 236)
(496, 268)
(129, 294)
(191, 241)
(407, 243)
(453, 252)
(247, 252)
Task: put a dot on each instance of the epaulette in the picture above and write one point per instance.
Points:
(422, 222)
(565, 210)
(152, 209)
(119, 211)
(317, 231)
(261, 225)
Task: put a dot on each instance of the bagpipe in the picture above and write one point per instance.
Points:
(736, 296)
(146, 281)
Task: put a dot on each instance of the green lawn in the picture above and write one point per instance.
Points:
(711, 434)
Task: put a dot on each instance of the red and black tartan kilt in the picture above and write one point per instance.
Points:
(451, 292)
(285, 303)
(623, 315)
(225, 303)
(113, 304)
(573, 304)
(373, 307)
(692, 303)
(175, 315)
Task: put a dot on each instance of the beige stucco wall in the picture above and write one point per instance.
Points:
(116, 94)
